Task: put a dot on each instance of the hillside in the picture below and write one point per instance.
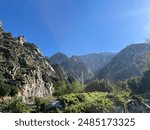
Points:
(74, 67)
(84, 65)
(96, 61)
(130, 62)
(23, 65)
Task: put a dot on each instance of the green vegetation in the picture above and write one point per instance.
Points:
(62, 88)
(99, 86)
(99, 96)
(86, 102)
(6, 89)
(145, 82)
(134, 84)
(40, 104)
(17, 106)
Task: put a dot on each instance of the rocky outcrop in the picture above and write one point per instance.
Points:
(135, 106)
(24, 66)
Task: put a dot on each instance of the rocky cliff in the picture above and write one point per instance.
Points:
(23, 65)
(73, 66)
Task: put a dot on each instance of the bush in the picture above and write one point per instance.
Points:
(40, 104)
(121, 86)
(86, 102)
(17, 106)
(14, 91)
(134, 84)
(5, 89)
(99, 86)
(62, 88)
(75, 87)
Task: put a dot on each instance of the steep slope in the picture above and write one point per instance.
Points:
(96, 61)
(75, 68)
(130, 62)
(23, 65)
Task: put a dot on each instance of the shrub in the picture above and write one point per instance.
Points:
(86, 102)
(14, 91)
(134, 84)
(100, 86)
(40, 104)
(5, 89)
(17, 106)
(121, 86)
(75, 87)
(62, 88)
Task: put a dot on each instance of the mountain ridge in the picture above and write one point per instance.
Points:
(129, 62)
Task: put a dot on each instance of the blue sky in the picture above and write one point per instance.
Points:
(78, 26)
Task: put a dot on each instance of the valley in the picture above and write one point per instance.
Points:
(91, 83)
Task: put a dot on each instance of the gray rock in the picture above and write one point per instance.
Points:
(23, 65)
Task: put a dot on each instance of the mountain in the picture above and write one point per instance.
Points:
(23, 65)
(129, 62)
(96, 61)
(59, 58)
(86, 65)
(73, 66)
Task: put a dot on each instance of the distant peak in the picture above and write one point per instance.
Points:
(59, 54)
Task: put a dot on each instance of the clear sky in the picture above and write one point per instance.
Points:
(77, 26)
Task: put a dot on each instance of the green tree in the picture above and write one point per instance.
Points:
(40, 104)
(75, 87)
(61, 88)
(145, 82)
(121, 86)
(134, 84)
(100, 86)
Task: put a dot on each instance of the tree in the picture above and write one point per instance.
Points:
(40, 104)
(134, 84)
(75, 87)
(121, 86)
(100, 86)
(145, 82)
(61, 88)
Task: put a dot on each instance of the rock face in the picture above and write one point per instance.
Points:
(130, 62)
(74, 67)
(24, 66)
(96, 61)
